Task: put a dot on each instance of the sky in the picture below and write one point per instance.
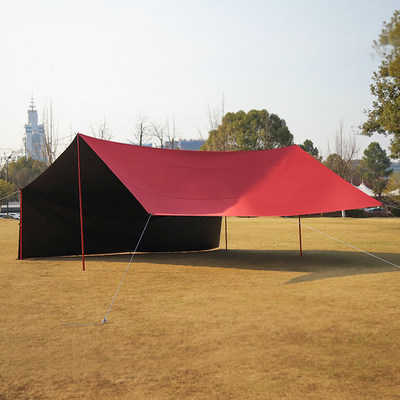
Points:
(310, 62)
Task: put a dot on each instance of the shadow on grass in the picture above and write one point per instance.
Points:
(315, 264)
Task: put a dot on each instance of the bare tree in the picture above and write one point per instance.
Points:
(159, 131)
(141, 130)
(215, 117)
(103, 131)
(200, 134)
(346, 149)
(171, 134)
(50, 135)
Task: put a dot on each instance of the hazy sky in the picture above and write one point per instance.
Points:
(308, 61)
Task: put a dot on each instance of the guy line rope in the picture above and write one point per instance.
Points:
(290, 219)
(104, 320)
(341, 241)
(9, 195)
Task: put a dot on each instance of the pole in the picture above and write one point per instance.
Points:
(80, 204)
(301, 249)
(20, 225)
(226, 235)
(7, 159)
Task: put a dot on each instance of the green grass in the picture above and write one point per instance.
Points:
(254, 322)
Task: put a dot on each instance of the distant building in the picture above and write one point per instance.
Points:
(191, 144)
(183, 144)
(34, 140)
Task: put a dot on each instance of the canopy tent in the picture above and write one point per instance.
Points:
(395, 192)
(365, 189)
(188, 192)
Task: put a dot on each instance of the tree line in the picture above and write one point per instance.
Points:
(261, 129)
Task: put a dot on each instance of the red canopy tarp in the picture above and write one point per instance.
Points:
(285, 181)
(187, 192)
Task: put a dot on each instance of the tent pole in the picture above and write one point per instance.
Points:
(226, 235)
(80, 205)
(20, 225)
(301, 249)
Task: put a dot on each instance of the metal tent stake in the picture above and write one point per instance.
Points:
(80, 204)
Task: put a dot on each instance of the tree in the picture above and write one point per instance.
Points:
(50, 135)
(216, 115)
(172, 142)
(255, 130)
(394, 181)
(308, 146)
(159, 131)
(6, 189)
(335, 163)
(375, 165)
(341, 161)
(393, 184)
(384, 116)
(5, 161)
(24, 171)
(103, 131)
(141, 131)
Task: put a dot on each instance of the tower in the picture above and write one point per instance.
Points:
(35, 143)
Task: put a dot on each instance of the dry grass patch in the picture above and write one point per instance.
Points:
(254, 322)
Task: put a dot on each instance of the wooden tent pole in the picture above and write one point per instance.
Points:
(301, 249)
(80, 204)
(226, 235)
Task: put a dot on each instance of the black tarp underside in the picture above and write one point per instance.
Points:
(112, 217)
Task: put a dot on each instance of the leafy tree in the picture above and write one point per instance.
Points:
(393, 182)
(384, 116)
(342, 166)
(375, 165)
(255, 130)
(7, 188)
(393, 191)
(23, 171)
(308, 146)
(336, 163)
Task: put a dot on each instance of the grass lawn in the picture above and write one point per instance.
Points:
(254, 322)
